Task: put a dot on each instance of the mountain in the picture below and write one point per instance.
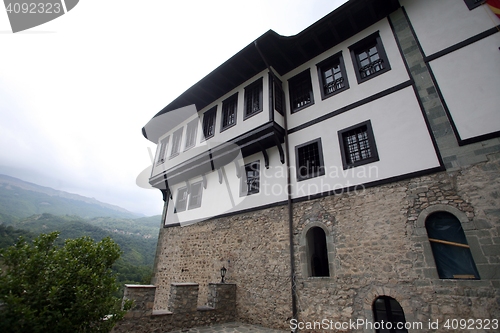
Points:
(138, 249)
(22, 199)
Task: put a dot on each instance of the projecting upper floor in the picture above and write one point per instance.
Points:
(339, 93)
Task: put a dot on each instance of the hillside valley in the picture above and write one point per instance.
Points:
(28, 210)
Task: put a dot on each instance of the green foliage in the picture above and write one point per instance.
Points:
(137, 250)
(50, 288)
(135, 265)
(9, 235)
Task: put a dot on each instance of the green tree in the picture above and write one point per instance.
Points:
(49, 288)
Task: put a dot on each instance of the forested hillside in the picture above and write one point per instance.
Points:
(139, 247)
(28, 210)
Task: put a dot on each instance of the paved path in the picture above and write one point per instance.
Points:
(230, 328)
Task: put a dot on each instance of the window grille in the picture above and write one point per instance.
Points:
(301, 94)
(358, 144)
(229, 108)
(332, 78)
(253, 98)
(310, 160)
(369, 58)
(209, 123)
(252, 179)
(370, 62)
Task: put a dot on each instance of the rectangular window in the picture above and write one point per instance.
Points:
(253, 98)
(209, 123)
(195, 195)
(357, 145)
(279, 95)
(229, 108)
(191, 131)
(471, 4)
(162, 150)
(332, 76)
(369, 58)
(250, 184)
(181, 202)
(309, 159)
(176, 142)
(301, 94)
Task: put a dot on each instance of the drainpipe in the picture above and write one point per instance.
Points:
(166, 196)
(289, 203)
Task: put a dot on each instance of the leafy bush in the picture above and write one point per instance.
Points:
(50, 288)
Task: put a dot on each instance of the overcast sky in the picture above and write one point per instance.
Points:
(75, 92)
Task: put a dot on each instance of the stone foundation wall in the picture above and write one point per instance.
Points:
(380, 247)
(377, 245)
(253, 247)
(182, 313)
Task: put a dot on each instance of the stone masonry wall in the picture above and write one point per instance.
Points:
(253, 247)
(182, 313)
(377, 246)
(380, 247)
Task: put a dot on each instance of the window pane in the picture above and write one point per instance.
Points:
(181, 200)
(253, 98)
(209, 123)
(196, 195)
(388, 310)
(191, 131)
(176, 142)
(300, 91)
(332, 78)
(369, 61)
(449, 247)
(309, 160)
(357, 145)
(252, 180)
(229, 112)
(163, 150)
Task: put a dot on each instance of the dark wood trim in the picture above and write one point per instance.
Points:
(233, 97)
(352, 106)
(370, 184)
(325, 194)
(305, 74)
(371, 141)
(361, 45)
(461, 44)
(479, 138)
(327, 62)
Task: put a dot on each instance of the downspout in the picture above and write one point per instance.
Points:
(166, 196)
(289, 203)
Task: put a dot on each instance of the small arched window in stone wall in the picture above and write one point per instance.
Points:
(317, 253)
(388, 315)
(450, 248)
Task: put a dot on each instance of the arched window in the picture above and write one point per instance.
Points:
(389, 315)
(449, 247)
(317, 253)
